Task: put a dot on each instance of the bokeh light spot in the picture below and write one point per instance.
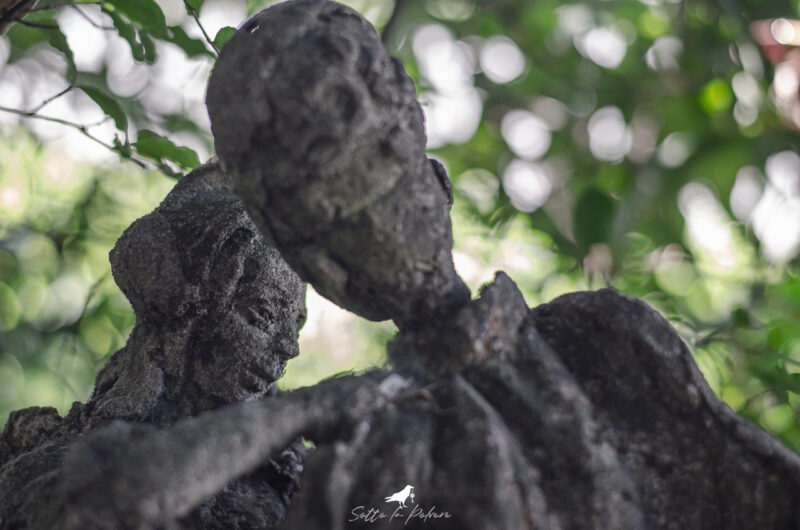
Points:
(526, 184)
(609, 136)
(526, 134)
(716, 96)
(501, 60)
(605, 46)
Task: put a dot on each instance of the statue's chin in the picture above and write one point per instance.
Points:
(243, 383)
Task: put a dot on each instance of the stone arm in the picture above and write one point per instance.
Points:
(132, 476)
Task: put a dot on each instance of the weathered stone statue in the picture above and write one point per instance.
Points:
(587, 412)
(217, 317)
(339, 178)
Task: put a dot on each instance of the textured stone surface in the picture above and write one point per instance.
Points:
(218, 312)
(587, 412)
(696, 464)
(323, 137)
(217, 309)
(598, 419)
(485, 328)
(584, 413)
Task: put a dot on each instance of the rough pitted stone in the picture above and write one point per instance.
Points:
(598, 419)
(696, 463)
(584, 413)
(217, 308)
(323, 137)
(484, 329)
(218, 313)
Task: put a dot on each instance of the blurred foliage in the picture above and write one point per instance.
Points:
(61, 315)
(624, 143)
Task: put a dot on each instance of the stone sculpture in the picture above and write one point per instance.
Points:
(587, 412)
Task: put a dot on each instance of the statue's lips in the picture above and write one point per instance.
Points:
(257, 379)
(260, 371)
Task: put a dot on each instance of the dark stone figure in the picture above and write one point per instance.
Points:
(341, 152)
(217, 308)
(585, 413)
(217, 317)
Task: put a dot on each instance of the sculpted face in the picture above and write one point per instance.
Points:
(245, 343)
(217, 307)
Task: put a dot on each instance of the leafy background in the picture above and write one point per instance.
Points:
(623, 143)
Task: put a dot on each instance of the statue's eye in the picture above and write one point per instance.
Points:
(258, 313)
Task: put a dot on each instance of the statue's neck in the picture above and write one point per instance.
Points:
(143, 381)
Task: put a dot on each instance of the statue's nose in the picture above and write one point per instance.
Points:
(288, 348)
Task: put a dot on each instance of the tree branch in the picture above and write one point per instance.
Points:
(52, 98)
(82, 128)
(88, 19)
(193, 12)
(34, 24)
(50, 7)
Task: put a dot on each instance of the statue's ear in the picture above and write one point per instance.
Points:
(146, 266)
(228, 263)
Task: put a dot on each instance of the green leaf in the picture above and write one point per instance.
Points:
(146, 13)
(192, 47)
(594, 213)
(793, 383)
(179, 122)
(542, 221)
(149, 47)
(25, 37)
(57, 40)
(157, 147)
(223, 36)
(109, 105)
(21, 39)
(195, 4)
(127, 32)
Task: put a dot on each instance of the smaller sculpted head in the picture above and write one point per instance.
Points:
(216, 307)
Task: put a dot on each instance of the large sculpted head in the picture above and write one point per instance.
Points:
(323, 138)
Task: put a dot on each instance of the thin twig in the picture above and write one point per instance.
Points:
(88, 19)
(710, 337)
(83, 129)
(209, 40)
(34, 24)
(92, 292)
(52, 98)
(50, 7)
